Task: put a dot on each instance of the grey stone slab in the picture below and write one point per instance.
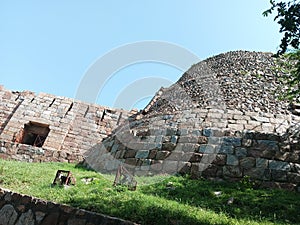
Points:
(8, 215)
(279, 165)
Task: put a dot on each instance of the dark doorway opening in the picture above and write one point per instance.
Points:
(34, 134)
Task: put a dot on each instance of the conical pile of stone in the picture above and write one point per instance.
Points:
(222, 119)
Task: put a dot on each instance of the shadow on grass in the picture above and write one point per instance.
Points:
(147, 211)
(271, 205)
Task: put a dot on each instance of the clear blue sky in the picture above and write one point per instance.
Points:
(47, 46)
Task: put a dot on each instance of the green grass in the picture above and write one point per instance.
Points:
(173, 200)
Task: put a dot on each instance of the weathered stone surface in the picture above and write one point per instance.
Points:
(226, 149)
(279, 175)
(168, 146)
(26, 218)
(232, 171)
(220, 160)
(39, 216)
(53, 214)
(258, 173)
(223, 114)
(142, 154)
(262, 163)
(278, 165)
(170, 166)
(232, 141)
(248, 162)
(8, 215)
(207, 148)
(266, 145)
(212, 171)
(232, 160)
(161, 155)
(241, 152)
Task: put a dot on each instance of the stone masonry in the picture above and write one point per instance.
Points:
(209, 143)
(74, 126)
(222, 120)
(17, 209)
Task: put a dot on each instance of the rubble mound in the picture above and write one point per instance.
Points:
(237, 80)
(221, 120)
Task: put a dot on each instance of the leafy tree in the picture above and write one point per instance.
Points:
(288, 17)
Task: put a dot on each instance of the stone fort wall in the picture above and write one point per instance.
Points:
(211, 143)
(74, 126)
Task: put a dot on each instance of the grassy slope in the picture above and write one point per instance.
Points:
(186, 202)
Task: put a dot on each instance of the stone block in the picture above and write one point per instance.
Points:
(170, 166)
(220, 160)
(241, 152)
(161, 155)
(195, 172)
(262, 163)
(212, 171)
(188, 139)
(293, 178)
(232, 160)
(156, 165)
(236, 126)
(131, 161)
(266, 145)
(196, 132)
(130, 153)
(234, 141)
(168, 146)
(202, 140)
(258, 173)
(152, 154)
(195, 157)
(184, 167)
(8, 215)
(114, 148)
(176, 156)
(214, 140)
(208, 158)
(26, 218)
(279, 175)
(142, 154)
(207, 148)
(279, 165)
(182, 132)
(226, 149)
(260, 119)
(208, 132)
(189, 147)
(232, 171)
(248, 162)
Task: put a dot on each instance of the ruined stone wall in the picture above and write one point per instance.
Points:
(74, 126)
(212, 143)
(17, 209)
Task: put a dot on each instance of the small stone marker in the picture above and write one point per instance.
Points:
(123, 177)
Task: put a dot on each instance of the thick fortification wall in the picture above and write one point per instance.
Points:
(73, 127)
(212, 143)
